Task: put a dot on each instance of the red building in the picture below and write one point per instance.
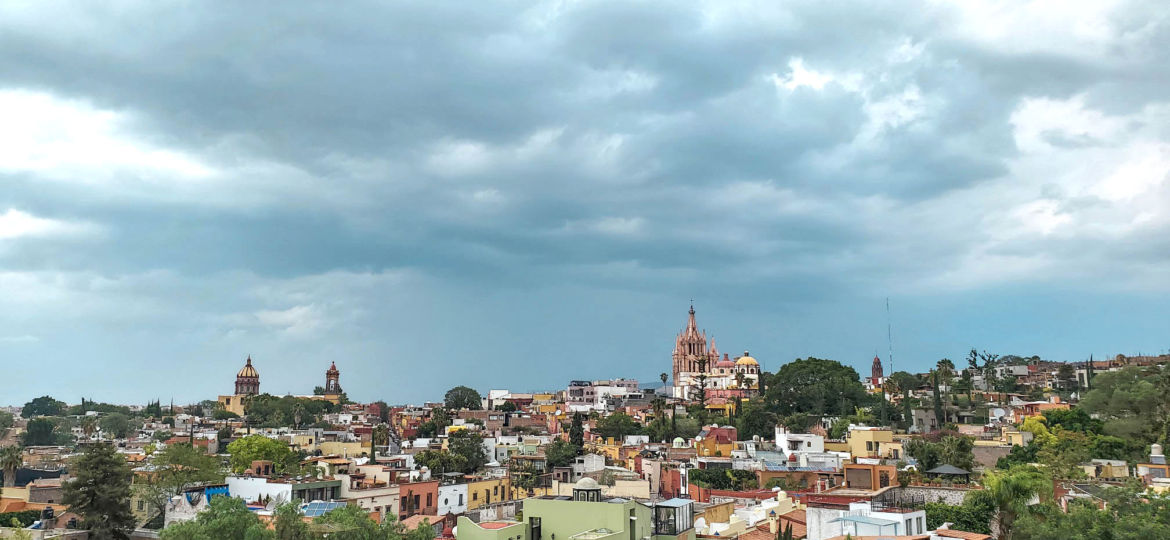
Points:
(418, 498)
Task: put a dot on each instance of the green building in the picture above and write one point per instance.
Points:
(587, 515)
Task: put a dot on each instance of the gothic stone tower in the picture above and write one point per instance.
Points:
(690, 347)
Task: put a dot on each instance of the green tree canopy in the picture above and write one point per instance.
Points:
(1132, 401)
(266, 410)
(463, 397)
(225, 517)
(754, 419)
(440, 461)
(816, 386)
(99, 492)
(39, 432)
(468, 445)
(178, 467)
(561, 453)
(577, 430)
(954, 450)
(260, 448)
(116, 425)
(618, 425)
(1074, 419)
(42, 406)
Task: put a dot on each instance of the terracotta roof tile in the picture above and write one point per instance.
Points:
(952, 533)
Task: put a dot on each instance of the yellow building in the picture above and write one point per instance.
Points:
(872, 442)
(489, 490)
(343, 449)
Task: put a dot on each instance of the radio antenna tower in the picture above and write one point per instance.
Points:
(890, 335)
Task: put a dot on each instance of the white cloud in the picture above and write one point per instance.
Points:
(17, 224)
(296, 321)
(798, 76)
(72, 141)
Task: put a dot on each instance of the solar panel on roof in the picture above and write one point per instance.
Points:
(320, 508)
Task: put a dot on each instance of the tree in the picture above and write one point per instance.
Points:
(117, 425)
(462, 397)
(89, 426)
(1133, 402)
(618, 425)
(11, 459)
(560, 453)
(905, 383)
(469, 446)
(506, 406)
(289, 525)
(178, 467)
(439, 461)
(42, 406)
(39, 432)
(577, 431)
(383, 411)
(99, 492)
(815, 386)
(1064, 453)
(974, 515)
(702, 379)
(223, 414)
(954, 450)
(663, 377)
(1009, 492)
(939, 415)
(353, 523)
(260, 448)
(225, 517)
(755, 420)
(1074, 419)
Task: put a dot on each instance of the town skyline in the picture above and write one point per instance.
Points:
(281, 381)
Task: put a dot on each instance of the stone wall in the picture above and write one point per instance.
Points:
(949, 495)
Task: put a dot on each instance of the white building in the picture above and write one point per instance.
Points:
(452, 499)
(860, 519)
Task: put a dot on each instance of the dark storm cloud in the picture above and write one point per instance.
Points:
(352, 172)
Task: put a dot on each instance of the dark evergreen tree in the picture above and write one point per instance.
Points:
(100, 493)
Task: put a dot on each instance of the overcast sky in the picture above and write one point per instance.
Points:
(513, 195)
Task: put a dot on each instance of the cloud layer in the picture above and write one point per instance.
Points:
(521, 194)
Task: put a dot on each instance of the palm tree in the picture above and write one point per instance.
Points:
(1010, 492)
(11, 459)
(88, 426)
(663, 377)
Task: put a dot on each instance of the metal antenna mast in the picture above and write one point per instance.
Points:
(890, 335)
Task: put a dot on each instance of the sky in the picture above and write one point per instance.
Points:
(517, 194)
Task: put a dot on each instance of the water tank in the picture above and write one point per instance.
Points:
(47, 513)
(1155, 449)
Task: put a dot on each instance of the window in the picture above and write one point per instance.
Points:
(908, 529)
(428, 499)
(460, 499)
(141, 505)
(869, 446)
(919, 525)
(496, 490)
(534, 526)
(474, 496)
